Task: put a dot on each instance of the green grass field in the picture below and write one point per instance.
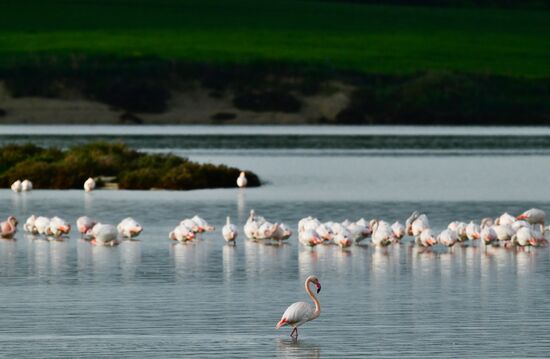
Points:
(374, 39)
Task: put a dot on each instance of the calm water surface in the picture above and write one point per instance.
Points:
(154, 298)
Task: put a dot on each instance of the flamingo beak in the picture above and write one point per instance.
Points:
(521, 216)
(533, 242)
(318, 285)
(476, 236)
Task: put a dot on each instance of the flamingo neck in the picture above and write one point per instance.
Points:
(315, 301)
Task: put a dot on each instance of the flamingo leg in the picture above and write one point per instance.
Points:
(294, 333)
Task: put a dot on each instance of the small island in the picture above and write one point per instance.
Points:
(116, 163)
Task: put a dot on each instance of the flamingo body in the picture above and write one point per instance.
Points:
(129, 228)
(182, 234)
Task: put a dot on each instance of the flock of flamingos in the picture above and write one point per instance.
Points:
(525, 230)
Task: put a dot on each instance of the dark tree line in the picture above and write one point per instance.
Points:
(458, 3)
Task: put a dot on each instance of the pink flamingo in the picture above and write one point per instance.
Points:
(8, 228)
(301, 312)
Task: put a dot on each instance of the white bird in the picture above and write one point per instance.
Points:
(504, 232)
(488, 235)
(426, 238)
(129, 228)
(16, 186)
(281, 233)
(104, 234)
(409, 222)
(382, 234)
(309, 238)
(419, 225)
(252, 225)
(308, 223)
(524, 237)
(242, 181)
(26, 185)
(29, 225)
(301, 312)
(335, 228)
(229, 231)
(89, 185)
(368, 231)
(472, 231)
(266, 230)
(460, 229)
(84, 225)
(343, 239)
(448, 238)
(182, 234)
(533, 216)
(58, 227)
(203, 226)
(398, 230)
(190, 224)
(357, 231)
(325, 232)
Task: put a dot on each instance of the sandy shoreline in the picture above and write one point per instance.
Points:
(195, 106)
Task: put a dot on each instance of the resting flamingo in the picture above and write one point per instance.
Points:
(26, 186)
(534, 216)
(8, 227)
(301, 312)
(89, 185)
(85, 225)
(16, 186)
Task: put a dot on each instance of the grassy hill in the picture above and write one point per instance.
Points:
(368, 38)
(291, 61)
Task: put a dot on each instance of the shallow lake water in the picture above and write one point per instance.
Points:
(155, 298)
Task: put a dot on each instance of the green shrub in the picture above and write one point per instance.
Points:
(56, 169)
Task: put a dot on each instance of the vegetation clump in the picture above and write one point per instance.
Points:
(51, 168)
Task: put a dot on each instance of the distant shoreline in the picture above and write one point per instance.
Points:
(158, 92)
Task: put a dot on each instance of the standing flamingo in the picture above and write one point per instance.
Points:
(301, 312)
(242, 181)
(229, 231)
